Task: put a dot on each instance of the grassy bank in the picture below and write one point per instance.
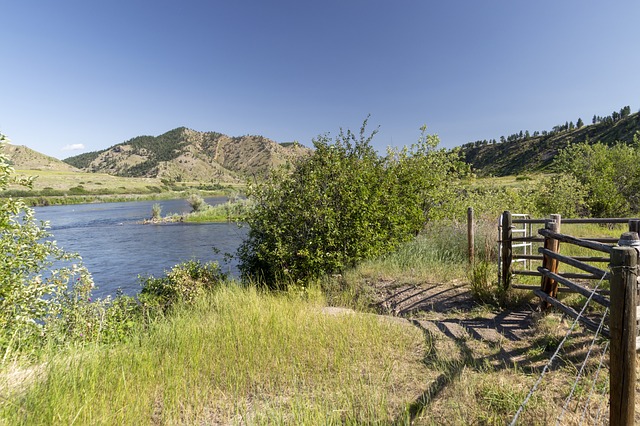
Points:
(227, 212)
(63, 187)
(239, 356)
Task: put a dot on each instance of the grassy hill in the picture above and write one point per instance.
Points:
(524, 152)
(22, 157)
(187, 155)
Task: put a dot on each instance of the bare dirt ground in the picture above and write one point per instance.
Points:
(449, 311)
(471, 338)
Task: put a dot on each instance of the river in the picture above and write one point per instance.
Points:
(117, 248)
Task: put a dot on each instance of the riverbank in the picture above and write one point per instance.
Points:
(230, 211)
(62, 200)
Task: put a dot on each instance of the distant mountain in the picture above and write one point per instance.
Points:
(25, 158)
(189, 155)
(524, 152)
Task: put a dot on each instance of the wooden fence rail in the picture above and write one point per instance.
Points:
(622, 300)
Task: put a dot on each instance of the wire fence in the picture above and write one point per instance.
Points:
(591, 397)
(556, 354)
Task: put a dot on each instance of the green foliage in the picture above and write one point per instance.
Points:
(184, 283)
(519, 153)
(344, 204)
(35, 302)
(425, 179)
(609, 174)
(562, 194)
(72, 315)
(491, 200)
(82, 161)
(232, 210)
(121, 318)
(197, 203)
(78, 190)
(156, 211)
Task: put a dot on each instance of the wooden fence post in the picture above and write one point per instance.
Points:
(507, 250)
(634, 225)
(622, 329)
(471, 231)
(549, 285)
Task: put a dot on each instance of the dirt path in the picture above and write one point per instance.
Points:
(468, 336)
(452, 311)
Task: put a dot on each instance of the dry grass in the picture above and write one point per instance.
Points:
(239, 357)
(92, 182)
(471, 380)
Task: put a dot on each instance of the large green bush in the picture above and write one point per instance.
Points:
(345, 203)
(609, 174)
(562, 194)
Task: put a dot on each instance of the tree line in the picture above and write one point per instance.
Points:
(615, 117)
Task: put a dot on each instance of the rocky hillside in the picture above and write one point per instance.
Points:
(187, 155)
(525, 152)
(25, 158)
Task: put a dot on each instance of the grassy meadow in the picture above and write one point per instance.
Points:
(239, 356)
(243, 355)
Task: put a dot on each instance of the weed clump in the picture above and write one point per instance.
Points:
(184, 283)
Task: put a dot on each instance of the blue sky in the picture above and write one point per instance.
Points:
(95, 73)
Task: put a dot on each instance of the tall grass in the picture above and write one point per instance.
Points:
(439, 253)
(239, 356)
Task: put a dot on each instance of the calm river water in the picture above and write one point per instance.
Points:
(116, 247)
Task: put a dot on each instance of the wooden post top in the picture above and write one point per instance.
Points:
(629, 239)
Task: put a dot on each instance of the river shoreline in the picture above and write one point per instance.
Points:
(117, 248)
(63, 200)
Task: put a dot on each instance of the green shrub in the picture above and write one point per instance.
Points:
(343, 204)
(184, 282)
(78, 190)
(72, 314)
(562, 194)
(121, 318)
(156, 211)
(197, 203)
(609, 174)
(37, 303)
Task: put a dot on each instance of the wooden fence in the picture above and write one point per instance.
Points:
(621, 296)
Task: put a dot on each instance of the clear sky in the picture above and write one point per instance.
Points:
(90, 74)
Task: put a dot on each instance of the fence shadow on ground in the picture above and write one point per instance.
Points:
(507, 334)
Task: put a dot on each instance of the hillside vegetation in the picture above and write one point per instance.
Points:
(22, 157)
(526, 152)
(187, 155)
